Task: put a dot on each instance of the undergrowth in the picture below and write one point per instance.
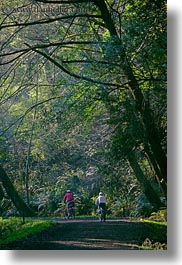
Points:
(13, 229)
(158, 226)
(150, 245)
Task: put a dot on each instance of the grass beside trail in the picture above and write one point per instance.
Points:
(13, 228)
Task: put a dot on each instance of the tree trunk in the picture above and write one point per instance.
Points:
(13, 194)
(1, 193)
(30, 145)
(142, 107)
(150, 193)
(159, 175)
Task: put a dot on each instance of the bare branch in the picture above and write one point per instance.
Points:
(73, 74)
(51, 44)
(90, 61)
(47, 21)
(20, 119)
(64, 2)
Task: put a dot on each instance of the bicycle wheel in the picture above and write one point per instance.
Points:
(71, 213)
(102, 215)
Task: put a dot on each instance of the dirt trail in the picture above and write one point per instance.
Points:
(88, 235)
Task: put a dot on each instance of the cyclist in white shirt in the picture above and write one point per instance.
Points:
(101, 201)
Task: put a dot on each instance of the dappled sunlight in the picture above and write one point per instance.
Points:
(91, 244)
(87, 234)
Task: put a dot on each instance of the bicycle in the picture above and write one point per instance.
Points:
(70, 210)
(102, 214)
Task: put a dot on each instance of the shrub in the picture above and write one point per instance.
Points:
(148, 244)
(159, 216)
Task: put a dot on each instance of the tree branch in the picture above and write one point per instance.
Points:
(27, 111)
(51, 44)
(46, 21)
(64, 2)
(73, 74)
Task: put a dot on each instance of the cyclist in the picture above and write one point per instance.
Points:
(101, 203)
(69, 200)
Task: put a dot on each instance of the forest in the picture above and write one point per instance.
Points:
(83, 106)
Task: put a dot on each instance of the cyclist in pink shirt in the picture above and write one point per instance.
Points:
(68, 196)
(69, 199)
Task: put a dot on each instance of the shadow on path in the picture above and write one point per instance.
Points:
(88, 235)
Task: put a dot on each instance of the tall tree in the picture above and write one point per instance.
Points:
(105, 51)
(13, 194)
